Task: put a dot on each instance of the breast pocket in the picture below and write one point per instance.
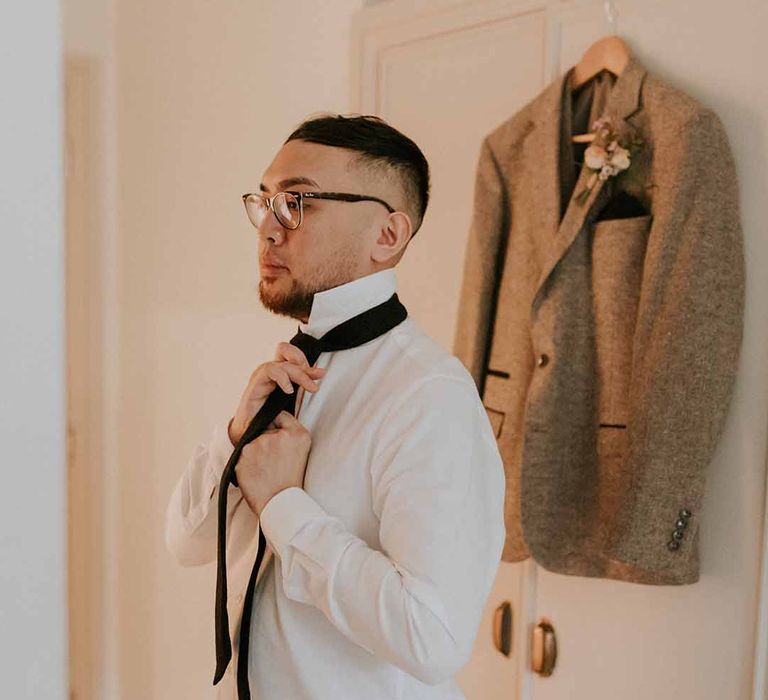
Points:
(618, 252)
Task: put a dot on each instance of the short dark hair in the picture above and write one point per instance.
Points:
(378, 143)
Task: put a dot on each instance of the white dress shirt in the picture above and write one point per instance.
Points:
(377, 571)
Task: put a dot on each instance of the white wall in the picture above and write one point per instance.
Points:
(33, 615)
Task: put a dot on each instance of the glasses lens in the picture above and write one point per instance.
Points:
(287, 209)
(256, 208)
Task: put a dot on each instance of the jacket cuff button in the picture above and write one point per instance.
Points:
(677, 535)
(672, 545)
(685, 513)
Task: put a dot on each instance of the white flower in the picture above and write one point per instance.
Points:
(606, 171)
(605, 160)
(595, 157)
(620, 158)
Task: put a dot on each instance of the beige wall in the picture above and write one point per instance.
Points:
(200, 115)
(183, 110)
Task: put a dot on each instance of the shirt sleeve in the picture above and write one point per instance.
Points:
(191, 522)
(438, 491)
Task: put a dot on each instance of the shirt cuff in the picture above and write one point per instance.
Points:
(285, 514)
(219, 451)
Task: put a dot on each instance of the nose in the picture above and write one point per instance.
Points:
(271, 229)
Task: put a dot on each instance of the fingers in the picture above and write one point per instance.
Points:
(284, 420)
(292, 353)
(283, 373)
(280, 376)
(287, 421)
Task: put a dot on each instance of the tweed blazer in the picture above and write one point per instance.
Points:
(605, 347)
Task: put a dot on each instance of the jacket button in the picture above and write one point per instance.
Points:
(672, 545)
(543, 360)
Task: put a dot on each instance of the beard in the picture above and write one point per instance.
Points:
(296, 301)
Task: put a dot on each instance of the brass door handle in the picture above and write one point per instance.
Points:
(543, 648)
(502, 628)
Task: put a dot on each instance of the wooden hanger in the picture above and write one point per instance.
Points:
(609, 53)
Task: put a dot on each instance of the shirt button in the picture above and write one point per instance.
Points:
(543, 360)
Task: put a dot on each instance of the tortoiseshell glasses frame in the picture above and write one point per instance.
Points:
(288, 207)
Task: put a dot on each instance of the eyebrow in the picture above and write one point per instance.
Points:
(290, 182)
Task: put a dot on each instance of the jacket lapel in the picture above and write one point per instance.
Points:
(620, 102)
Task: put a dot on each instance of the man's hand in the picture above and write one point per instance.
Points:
(290, 365)
(275, 460)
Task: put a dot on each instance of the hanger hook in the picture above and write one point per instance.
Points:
(610, 14)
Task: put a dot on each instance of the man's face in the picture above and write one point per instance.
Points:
(332, 245)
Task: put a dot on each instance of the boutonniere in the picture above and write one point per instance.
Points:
(609, 154)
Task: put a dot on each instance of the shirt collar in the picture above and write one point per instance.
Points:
(337, 304)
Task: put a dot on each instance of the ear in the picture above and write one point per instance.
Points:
(393, 236)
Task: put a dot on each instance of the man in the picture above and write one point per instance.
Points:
(383, 497)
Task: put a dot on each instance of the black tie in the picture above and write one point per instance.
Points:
(355, 331)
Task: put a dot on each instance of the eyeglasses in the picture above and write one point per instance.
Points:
(288, 207)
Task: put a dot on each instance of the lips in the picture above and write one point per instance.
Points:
(271, 266)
